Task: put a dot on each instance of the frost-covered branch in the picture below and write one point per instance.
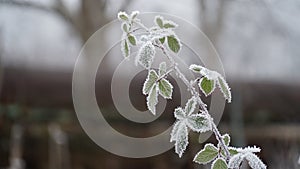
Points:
(202, 105)
(163, 37)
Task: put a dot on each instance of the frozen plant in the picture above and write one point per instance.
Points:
(162, 37)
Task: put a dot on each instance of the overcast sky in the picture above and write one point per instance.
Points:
(258, 40)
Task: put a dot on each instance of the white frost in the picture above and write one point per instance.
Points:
(197, 122)
(146, 55)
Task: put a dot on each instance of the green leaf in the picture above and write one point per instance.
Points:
(146, 55)
(224, 88)
(199, 123)
(124, 27)
(150, 81)
(207, 86)
(206, 155)
(174, 131)
(232, 151)
(179, 113)
(196, 68)
(181, 139)
(152, 99)
(134, 14)
(190, 105)
(226, 139)
(173, 43)
(125, 48)
(122, 16)
(219, 163)
(165, 88)
(162, 40)
(162, 68)
(132, 39)
(169, 25)
(159, 21)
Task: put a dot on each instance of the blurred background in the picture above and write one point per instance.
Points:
(258, 43)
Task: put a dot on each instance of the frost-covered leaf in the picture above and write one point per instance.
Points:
(207, 154)
(198, 123)
(122, 16)
(132, 39)
(125, 48)
(190, 105)
(209, 81)
(207, 86)
(174, 130)
(209, 74)
(239, 154)
(226, 139)
(224, 88)
(152, 99)
(150, 81)
(249, 149)
(159, 21)
(232, 151)
(134, 14)
(246, 153)
(179, 113)
(162, 68)
(124, 27)
(165, 88)
(146, 55)
(236, 160)
(219, 163)
(169, 24)
(162, 40)
(254, 162)
(196, 68)
(173, 43)
(181, 139)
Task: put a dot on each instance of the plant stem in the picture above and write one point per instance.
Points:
(193, 92)
(166, 74)
(200, 102)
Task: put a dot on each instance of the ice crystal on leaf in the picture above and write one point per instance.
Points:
(247, 154)
(146, 55)
(254, 162)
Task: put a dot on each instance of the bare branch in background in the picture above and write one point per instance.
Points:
(36, 6)
(89, 18)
